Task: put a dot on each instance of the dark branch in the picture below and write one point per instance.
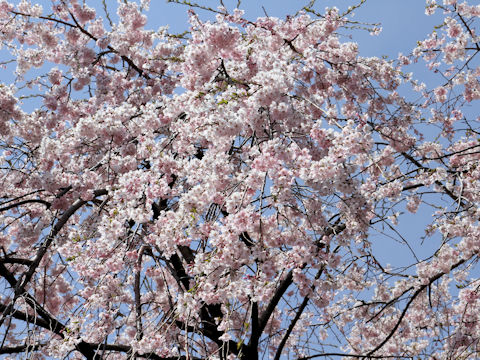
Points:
(282, 288)
(39, 201)
(20, 348)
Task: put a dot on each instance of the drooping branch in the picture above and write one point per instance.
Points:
(59, 224)
(50, 323)
(437, 182)
(24, 279)
(31, 319)
(410, 301)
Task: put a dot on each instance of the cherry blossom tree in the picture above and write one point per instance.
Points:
(222, 193)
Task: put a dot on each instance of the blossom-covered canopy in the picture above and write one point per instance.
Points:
(223, 193)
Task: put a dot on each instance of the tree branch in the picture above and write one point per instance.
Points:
(414, 296)
(284, 284)
(39, 201)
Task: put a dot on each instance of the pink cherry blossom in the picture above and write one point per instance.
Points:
(237, 191)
